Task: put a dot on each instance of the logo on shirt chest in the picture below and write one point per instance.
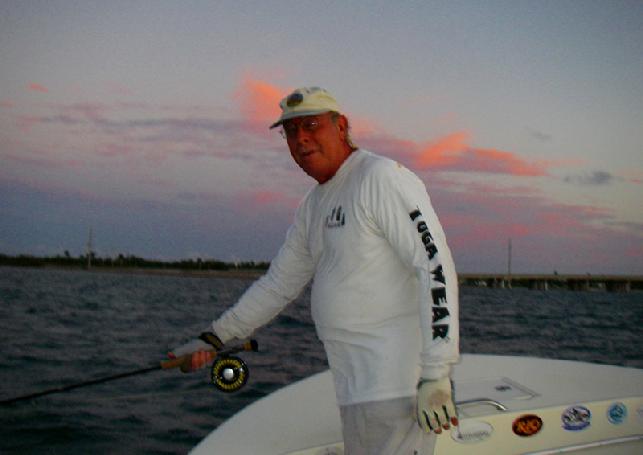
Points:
(336, 218)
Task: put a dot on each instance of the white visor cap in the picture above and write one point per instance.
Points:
(306, 101)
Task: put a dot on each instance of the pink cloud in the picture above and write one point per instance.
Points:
(546, 234)
(478, 218)
(500, 162)
(44, 161)
(566, 221)
(91, 111)
(635, 252)
(443, 152)
(379, 141)
(267, 197)
(453, 153)
(115, 150)
(116, 88)
(258, 103)
(632, 176)
(25, 123)
(363, 127)
(35, 87)
(263, 199)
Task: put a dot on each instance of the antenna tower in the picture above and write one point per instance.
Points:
(509, 264)
(90, 248)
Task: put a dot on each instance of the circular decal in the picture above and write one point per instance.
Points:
(471, 431)
(527, 425)
(576, 418)
(617, 413)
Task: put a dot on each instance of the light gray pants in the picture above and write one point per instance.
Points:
(385, 427)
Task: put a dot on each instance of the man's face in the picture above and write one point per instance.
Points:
(317, 144)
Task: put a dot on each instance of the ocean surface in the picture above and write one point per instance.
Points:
(61, 327)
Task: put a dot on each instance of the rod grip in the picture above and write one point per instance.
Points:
(175, 363)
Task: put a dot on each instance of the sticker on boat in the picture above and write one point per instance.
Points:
(617, 413)
(576, 418)
(527, 425)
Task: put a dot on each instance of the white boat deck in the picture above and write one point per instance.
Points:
(493, 393)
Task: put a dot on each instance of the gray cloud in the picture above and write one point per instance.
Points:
(635, 228)
(539, 135)
(594, 178)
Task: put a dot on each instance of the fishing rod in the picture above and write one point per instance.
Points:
(228, 372)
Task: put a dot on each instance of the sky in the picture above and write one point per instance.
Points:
(147, 122)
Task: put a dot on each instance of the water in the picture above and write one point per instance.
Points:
(62, 327)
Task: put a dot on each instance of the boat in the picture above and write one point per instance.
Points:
(506, 405)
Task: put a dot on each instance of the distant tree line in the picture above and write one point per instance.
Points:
(125, 261)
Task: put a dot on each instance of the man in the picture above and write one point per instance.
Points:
(384, 295)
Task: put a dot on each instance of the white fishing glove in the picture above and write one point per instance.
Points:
(435, 407)
(197, 352)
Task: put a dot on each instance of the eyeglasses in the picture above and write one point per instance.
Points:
(308, 124)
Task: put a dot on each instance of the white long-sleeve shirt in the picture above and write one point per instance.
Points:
(384, 295)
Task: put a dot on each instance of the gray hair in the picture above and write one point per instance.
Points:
(334, 116)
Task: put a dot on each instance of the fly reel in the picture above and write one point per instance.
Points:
(229, 373)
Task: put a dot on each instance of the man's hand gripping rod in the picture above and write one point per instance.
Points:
(250, 345)
(229, 373)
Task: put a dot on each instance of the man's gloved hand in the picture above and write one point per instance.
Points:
(435, 407)
(197, 352)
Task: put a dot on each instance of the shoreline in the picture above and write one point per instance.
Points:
(234, 274)
(609, 283)
(239, 274)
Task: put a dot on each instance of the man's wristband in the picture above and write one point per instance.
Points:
(212, 339)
